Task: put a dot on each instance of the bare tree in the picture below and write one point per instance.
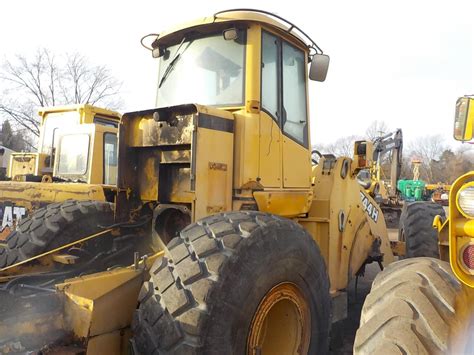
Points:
(428, 149)
(342, 147)
(376, 129)
(49, 80)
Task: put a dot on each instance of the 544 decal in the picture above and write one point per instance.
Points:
(369, 208)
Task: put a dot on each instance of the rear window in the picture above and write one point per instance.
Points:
(74, 154)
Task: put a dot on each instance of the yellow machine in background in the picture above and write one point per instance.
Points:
(260, 243)
(426, 305)
(58, 125)
(383, 189)
(77, 156)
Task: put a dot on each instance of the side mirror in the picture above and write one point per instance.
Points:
(319, 67)
(463, 120)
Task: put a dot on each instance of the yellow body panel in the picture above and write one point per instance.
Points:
(31, 193)
(277, 202)
(347, 224)
(270, 167)
(296, 164)
(246, 161)
(214, 167)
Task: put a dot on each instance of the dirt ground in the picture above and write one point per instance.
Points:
(343, 332)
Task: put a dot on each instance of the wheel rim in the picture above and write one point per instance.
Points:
(281, 324)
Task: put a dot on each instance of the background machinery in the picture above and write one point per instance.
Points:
(426, 305)
(76, 159)
(225, 238)
(381, 184)
(419, 190)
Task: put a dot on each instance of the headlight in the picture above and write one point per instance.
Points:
(466, 201)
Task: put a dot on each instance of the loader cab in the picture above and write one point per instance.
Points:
(231, 130)
(86, 153)
(54, 120)
(257, 67)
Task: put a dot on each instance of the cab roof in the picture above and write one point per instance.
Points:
(237, 15)
(80, 108)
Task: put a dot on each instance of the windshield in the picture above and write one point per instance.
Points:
(207, 71)
(53, 122)
(74, 153)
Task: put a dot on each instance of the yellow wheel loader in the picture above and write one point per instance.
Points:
(76, 161)
(77, 144)
(426, 305)
(226, 239)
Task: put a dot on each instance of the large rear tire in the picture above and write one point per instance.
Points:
(54, 225)
(416, 229)
(236, 283)
(410, 309)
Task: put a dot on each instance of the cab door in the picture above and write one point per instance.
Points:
(285, 156)
(296, 155)
(270, 165)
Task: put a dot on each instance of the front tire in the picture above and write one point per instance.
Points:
(416, 229)
(236, 283)
(410, 309)
(55, 225)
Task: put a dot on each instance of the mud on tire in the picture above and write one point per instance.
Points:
(54, 225)
(410, 309)
(416, 229)
(201, 296)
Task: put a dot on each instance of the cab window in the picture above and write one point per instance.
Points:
(110, 159)
(74, 154)
(283, 93)
(294, 94)
(270, 74)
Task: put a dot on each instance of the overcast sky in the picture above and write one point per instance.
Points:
(403, 62)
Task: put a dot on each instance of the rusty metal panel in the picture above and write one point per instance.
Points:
(30, 322)
(177, 185)
(148, 172)
(176, 156)
(147, 132)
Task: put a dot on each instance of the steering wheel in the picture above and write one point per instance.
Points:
(313, 154)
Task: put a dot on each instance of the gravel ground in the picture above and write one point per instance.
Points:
(343, 332)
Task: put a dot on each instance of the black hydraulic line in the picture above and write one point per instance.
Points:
(137, 224)
(50, 275)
